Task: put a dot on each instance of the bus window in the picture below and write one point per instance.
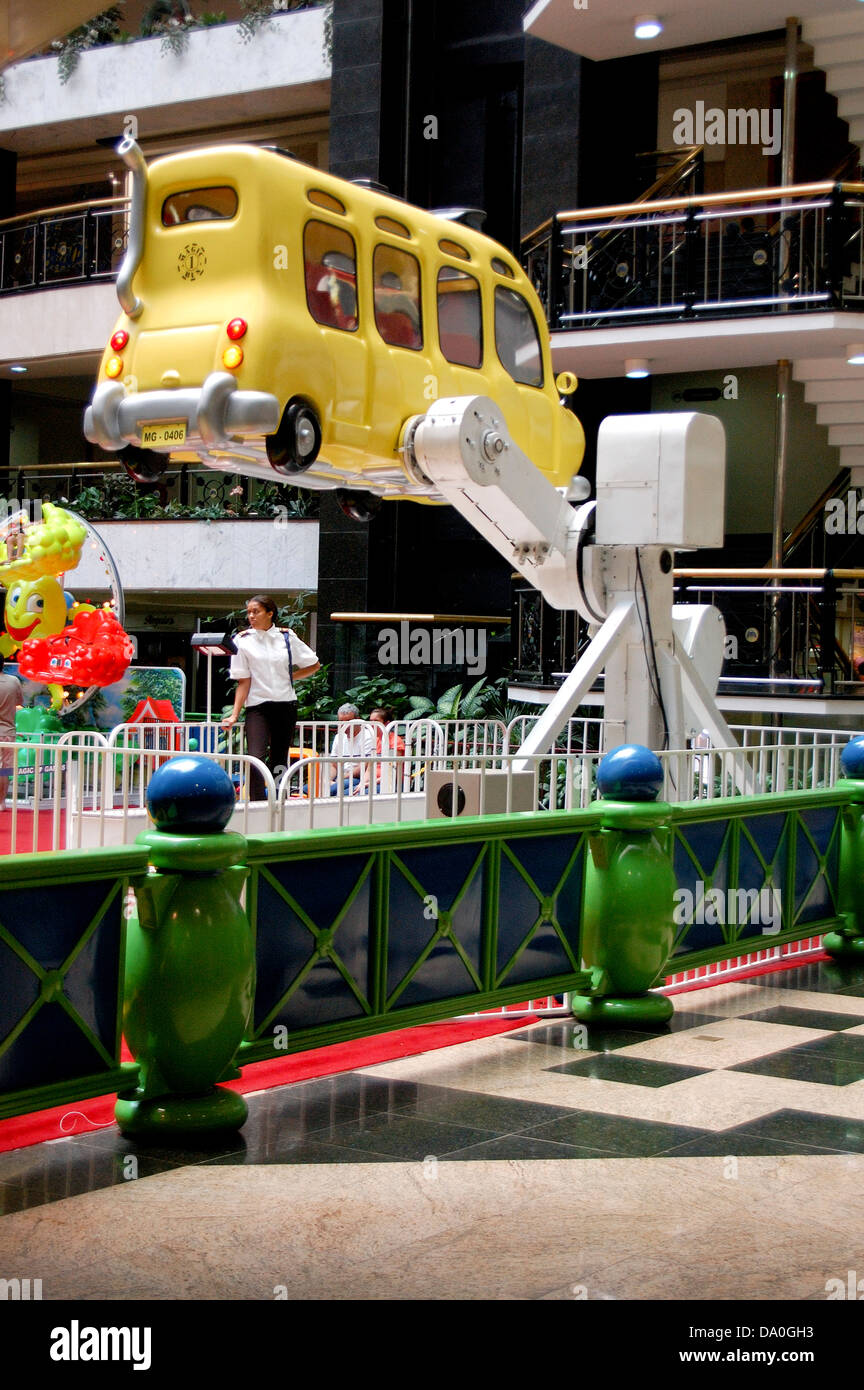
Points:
(331, 275)
(325, 200)
(389, 224)
(396, 284)
(460, 320)
(516, 338)
(199, 205)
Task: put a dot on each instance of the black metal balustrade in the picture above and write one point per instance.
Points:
(716, 255)
(63, 246)
(819, 633)
(816, 646)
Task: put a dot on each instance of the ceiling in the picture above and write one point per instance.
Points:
(604, 28)
(28, 25)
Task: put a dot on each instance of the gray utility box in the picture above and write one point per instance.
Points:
(477, 793)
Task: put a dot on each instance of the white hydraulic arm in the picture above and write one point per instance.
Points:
(660, 481)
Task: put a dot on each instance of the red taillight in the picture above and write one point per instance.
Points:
(236, 329)
(119, 339)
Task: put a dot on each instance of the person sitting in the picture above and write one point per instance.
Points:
(353, 740)
(380, 717)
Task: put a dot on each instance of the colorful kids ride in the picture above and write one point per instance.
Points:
(57, 639)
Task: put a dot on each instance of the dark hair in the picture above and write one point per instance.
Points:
(384, 710)
(266, 602)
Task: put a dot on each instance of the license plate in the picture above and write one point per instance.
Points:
(161, 436)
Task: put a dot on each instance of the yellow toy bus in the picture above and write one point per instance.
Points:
(280, 321)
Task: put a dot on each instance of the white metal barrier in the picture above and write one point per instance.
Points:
(87, 789)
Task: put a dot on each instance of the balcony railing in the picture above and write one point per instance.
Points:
(63, 246)
(789, 632)
(715, 255)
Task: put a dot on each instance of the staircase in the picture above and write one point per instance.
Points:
(836, 389)
(838, 48)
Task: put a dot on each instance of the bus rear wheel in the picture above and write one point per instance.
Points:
(294, 447)
(359, 506)
(143, 465)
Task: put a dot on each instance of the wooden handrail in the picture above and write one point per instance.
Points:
(689, 153)
(753, 573)
(806, 521)
(748, 195)
(42, 213)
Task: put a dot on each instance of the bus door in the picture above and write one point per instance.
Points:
(339, 353)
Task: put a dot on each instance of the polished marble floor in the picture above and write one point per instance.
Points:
(720, 1158)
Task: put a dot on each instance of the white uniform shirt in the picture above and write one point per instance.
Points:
(353, 739)
(263, 656)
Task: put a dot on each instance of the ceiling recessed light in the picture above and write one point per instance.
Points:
(636, 368)
(855, 354)
(17, 369)
(647, 26)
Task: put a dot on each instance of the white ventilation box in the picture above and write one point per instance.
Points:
(477, 793)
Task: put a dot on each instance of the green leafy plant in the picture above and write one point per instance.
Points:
(328, 33)
(371, 691)
(102, 29)
(314, 700)
(457, 703)
(175, 37)
(115, 498)
(256, 17)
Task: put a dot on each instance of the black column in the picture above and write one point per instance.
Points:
(355, 93)
(551, 133)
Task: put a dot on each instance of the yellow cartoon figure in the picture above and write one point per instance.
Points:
(34, 608)
(37, 608)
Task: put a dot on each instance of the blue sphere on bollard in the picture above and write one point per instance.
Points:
(190, 795)
(630, 773)
(852, 758)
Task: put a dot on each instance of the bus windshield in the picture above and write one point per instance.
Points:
(199, 205)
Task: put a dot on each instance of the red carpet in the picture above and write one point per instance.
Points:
(24, 831)
(87, 1115)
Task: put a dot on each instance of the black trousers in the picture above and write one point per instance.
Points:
(269, 734)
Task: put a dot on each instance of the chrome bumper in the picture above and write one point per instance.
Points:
(213, 413)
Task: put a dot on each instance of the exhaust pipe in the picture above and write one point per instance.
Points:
(134, 161)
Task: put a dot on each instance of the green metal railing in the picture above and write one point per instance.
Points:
(361, 930)
(251, 949)
(62, 940)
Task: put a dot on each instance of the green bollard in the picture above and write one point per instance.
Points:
(628, 926)
(190, 964)
(848, 942)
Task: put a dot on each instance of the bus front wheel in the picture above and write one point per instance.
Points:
(359, 506)
(294, 447)
(143, 465)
